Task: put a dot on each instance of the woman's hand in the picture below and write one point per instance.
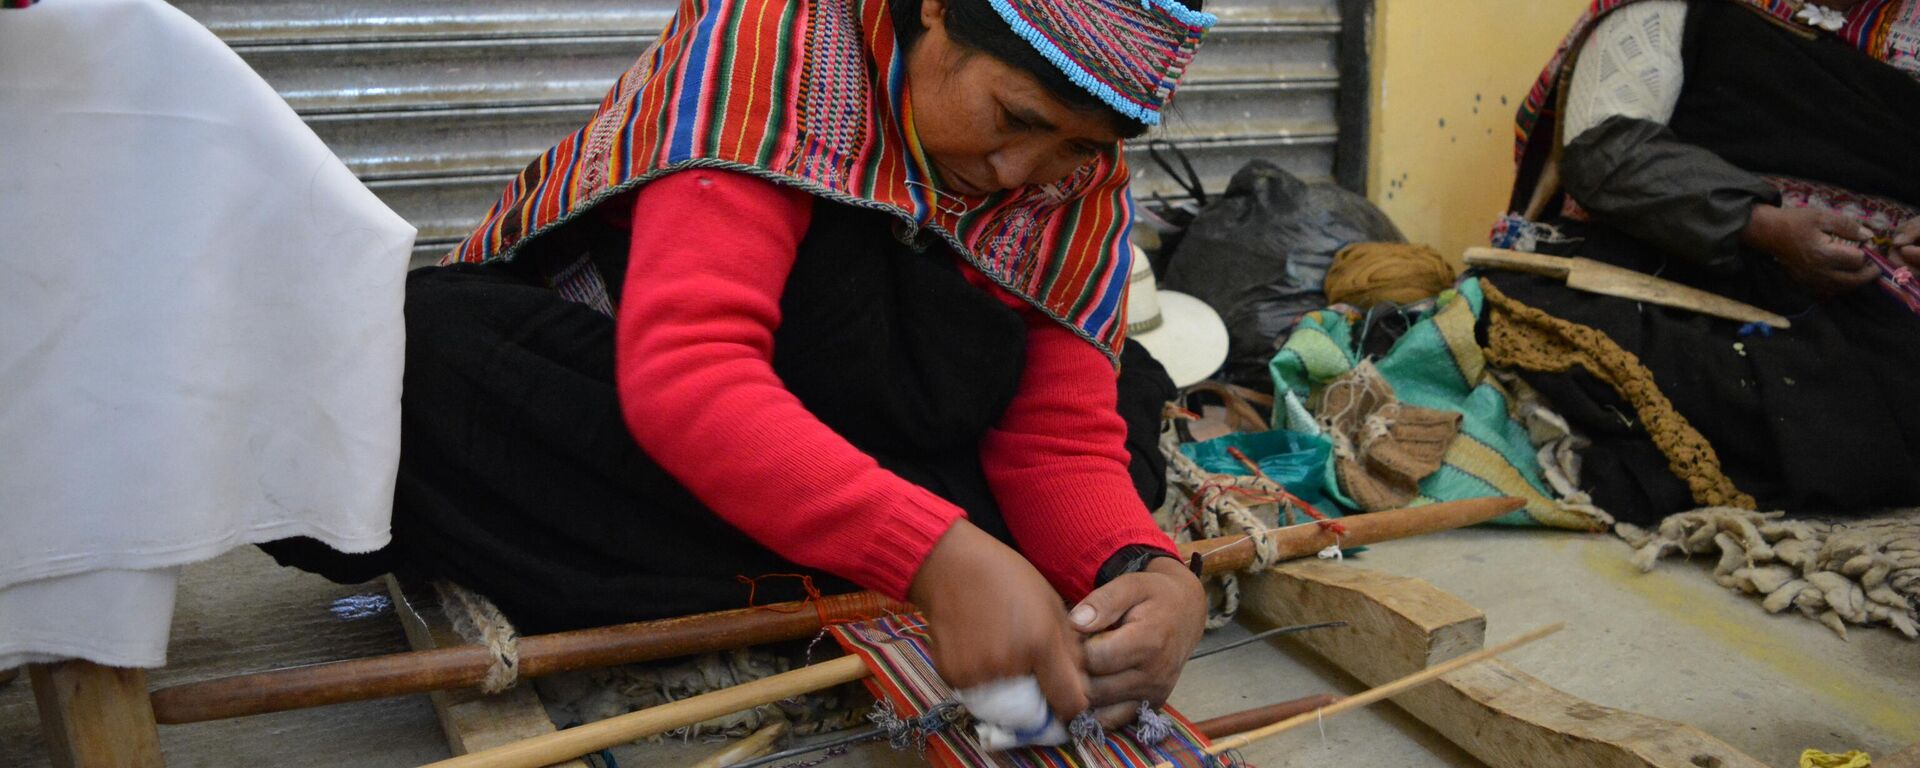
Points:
(1906, 244)
(1816, 246)
(992, 616)
(1144, 625)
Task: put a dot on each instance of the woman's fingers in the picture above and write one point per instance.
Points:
(1907, 234)
(1105, 606)
(1909, 255)
(1840, 256)
(1132, 686)
(1062, 681)
(1122, 649)
(1843, 226)
(1117, 715)
(1846, 266)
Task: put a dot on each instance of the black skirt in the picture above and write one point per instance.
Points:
(518, 477)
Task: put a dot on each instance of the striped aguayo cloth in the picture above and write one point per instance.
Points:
(895, 648)
(813, 95)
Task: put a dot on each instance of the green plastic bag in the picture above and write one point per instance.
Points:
(1297, 461)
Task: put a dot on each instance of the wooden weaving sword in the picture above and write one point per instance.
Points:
(1608, 280)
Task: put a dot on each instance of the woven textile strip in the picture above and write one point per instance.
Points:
(813, 94)
(1888, 30)
(895, 648)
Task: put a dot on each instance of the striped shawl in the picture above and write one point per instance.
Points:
(813, 94)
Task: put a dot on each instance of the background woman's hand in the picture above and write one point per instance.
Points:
(1143, 626)
(1906, 244)
(992, 616)
(1819, 248)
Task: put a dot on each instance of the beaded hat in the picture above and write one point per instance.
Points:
(1127, 53)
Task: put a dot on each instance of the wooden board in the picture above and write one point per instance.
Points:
(472, 720)
(95, 716)
(1503, 716)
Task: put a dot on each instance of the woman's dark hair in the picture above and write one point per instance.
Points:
(974, 24)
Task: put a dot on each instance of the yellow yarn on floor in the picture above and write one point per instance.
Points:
(1814, 758)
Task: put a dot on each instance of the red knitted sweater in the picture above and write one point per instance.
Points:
(694, 358)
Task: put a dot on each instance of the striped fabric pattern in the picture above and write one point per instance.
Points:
(1888, 30)
(1080, 37)
(813, 94)
(895, 649)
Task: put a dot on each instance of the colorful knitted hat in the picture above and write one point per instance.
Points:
(1128, 53)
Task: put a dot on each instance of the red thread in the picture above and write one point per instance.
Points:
(835, 609)
(1327, 524)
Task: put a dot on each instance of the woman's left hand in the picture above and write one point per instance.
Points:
(1142, 628)
(1906, 244)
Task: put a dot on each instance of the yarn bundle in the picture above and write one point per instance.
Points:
(1367, 274)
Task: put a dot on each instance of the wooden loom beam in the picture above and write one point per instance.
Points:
(471, 720)
(1504, 717)
(466, 666)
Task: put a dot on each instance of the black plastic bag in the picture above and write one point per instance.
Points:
(1259, 253)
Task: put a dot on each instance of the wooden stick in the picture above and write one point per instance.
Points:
(760, 743)
(593, 737)
(466, 667)
(1241, 722)
(1389, 690)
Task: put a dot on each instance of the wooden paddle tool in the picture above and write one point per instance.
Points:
(1608, 280)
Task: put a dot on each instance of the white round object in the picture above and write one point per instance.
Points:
(1191, 341)
(1181, 331)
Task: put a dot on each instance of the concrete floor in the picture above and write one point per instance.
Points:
(1670, 644)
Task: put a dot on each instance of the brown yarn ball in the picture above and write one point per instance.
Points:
(1365, 274)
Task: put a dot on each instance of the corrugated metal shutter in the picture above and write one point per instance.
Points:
(436, 103)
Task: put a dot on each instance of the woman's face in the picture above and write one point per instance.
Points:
(987, 127)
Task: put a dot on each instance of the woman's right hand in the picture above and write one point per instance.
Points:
(1818, 247)
(1906, 244)
(992, 616)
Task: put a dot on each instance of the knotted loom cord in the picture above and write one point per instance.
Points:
(477, 620)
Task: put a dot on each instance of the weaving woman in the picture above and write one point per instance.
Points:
(1767, 151)
(830, 288)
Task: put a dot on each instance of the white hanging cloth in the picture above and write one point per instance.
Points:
(200, 326)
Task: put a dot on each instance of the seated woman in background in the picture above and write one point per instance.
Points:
(829, 288)
(1767, 151)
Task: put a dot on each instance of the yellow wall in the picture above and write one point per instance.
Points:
(1447, 77)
